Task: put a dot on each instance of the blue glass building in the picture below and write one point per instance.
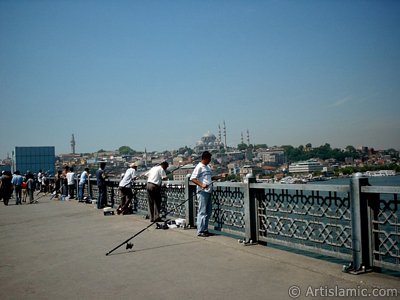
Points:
(34, 159)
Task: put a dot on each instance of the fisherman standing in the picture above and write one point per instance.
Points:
(71, 178)
(202, 177)
(154, 181)
(125, 187)
(102, 186)
(82, 182)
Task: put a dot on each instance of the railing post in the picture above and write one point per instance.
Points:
(189, 207)
(111, 184)
(250, 212)
(360, 229)
(87, 188)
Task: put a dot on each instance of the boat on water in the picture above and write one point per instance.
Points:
(380, 173)
(293, 180)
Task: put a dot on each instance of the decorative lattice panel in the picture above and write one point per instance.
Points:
(311, 219)
(228, 209)
(386, 232)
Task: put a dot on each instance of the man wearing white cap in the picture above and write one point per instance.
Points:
(154, 181)
(125, 187)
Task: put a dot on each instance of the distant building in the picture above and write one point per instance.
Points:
(5, 167)
(305, 167)
(273, 157)
(235, 155)
(250, 169)
(233, 169)
(208, 142)
(34, 159)
(181, 160)
(349, 160)
(182, 172)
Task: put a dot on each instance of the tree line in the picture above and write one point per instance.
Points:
(294, 154)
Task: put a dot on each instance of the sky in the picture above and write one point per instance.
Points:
(158, 75)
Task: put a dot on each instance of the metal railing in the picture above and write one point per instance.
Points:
(383, 225)
(309, 217)
(358, 222)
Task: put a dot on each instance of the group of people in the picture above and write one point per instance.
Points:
(202, 177)
(65, 184)
(155, 177)
(23, 186)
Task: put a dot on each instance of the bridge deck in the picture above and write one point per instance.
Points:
(56, 250)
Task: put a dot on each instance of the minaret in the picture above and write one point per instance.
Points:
(242, 141)
(219, 133)
(145, 157)
(248, 138)
(73, 144)
(225, 136)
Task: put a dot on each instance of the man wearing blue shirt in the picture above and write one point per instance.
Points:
(82, 182)
(17, 182)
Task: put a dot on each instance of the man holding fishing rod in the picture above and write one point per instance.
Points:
(154, 181)
(125, 188)
(202, 177)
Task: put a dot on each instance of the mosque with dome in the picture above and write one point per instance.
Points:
(208, 142)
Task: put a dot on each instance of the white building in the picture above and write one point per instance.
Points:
(208, 142)
(273, 157)
(305, 167)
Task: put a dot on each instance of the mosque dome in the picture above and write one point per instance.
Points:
(208, 142)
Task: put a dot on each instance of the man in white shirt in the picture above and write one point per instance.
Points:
(82, 182)
(125, 188)
(71, 183)
(154, 181)
(202, 177)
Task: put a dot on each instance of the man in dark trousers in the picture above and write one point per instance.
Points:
(101, 184)
(125, 188)
(154, 181)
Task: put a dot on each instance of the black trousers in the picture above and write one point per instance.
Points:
(102, 197)
(154, 200)
(71, 191)
(126, 198)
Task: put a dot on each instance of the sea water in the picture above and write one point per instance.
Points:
(373, 180)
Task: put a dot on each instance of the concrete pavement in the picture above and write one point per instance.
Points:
(56, 250)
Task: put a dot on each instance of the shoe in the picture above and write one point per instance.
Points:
(202, 234)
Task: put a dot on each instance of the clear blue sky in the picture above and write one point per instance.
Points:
(160, 74)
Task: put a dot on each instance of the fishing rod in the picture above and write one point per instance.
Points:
(55, 192)
(37, 199)
(144, 174)
(130, 245)
(169, 172)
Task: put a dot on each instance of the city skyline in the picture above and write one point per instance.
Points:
(159, 75)
(245, 141)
